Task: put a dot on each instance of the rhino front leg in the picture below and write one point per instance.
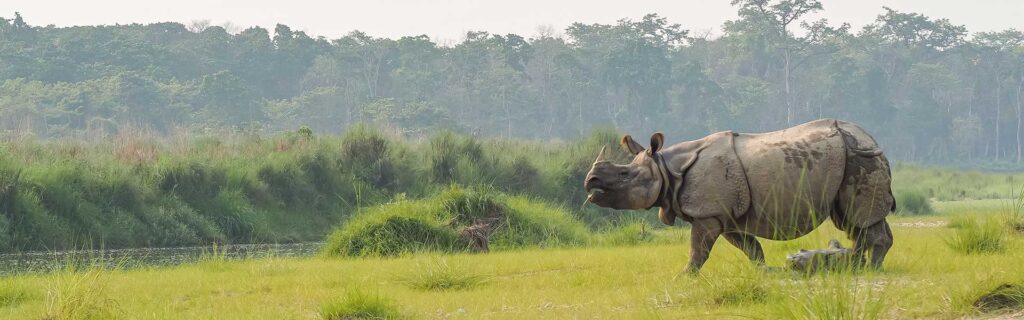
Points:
(748, 244)
(703, 234)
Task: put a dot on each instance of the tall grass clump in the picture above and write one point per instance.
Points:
(439, 275)
(358, 305)
(391, 230)
(1014, 212)
(971, 236)
(368, 156)
(435, 223)
(457, 159)
(75, 294)
(912, 203)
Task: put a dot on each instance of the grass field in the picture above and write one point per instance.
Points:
(923, 277)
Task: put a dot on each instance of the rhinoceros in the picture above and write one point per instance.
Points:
(777, 185)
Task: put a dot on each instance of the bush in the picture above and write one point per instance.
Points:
(434, 224)
(367, 155)
(912, 203)
(358, 305)
(391, 230)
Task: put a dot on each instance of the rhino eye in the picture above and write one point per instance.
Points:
(623, 174)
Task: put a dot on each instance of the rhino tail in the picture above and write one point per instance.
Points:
(858, 141)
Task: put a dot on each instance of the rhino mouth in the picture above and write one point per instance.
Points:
(595, 194)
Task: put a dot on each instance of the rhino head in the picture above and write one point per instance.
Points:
(636, 185)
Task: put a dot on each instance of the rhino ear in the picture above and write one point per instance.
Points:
(657, 141)
(631, 146)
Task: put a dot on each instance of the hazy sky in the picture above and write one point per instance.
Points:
(448, 20)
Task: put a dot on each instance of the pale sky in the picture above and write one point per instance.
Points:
(448, 20)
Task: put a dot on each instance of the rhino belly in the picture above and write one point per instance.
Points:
(794, 178)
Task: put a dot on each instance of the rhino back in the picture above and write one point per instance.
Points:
(794, 176)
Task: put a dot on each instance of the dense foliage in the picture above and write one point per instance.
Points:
(137, 189)
(928, 89)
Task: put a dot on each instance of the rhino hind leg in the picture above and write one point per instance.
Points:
(748, 244)
(876, 239)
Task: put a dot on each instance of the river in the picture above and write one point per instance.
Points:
(39, 261)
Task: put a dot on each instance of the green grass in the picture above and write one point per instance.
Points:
(922, 278)
(11, 293)
(977, 235)
(842, 296)
(438, 274)
(359, 305)
(74, 294)
(946, 184)
(138, 190)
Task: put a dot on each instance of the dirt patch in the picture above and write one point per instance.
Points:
(921, 224)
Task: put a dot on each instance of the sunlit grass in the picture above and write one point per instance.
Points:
(359, 305)
(922, 278)
(974, 235)
(438, 274)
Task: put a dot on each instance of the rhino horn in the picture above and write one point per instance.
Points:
(601, 155)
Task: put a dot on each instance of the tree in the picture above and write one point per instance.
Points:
(772, 22)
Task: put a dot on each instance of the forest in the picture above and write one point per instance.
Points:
(930, 90)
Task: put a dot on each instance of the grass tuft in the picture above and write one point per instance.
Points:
(973, 237)
(80, 295)
(359, 305)
(440, 276)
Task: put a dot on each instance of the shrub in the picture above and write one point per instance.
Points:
(358, 305)
(434, 224)
(366, 154)
(458, 159)
(912, 203)
(973, 237)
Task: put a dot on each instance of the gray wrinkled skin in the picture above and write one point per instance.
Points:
(778, 185)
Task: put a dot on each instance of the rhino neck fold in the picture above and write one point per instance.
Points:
(670, 183)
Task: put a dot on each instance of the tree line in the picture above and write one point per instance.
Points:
(928, 89)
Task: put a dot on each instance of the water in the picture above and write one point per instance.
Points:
(31, 262)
